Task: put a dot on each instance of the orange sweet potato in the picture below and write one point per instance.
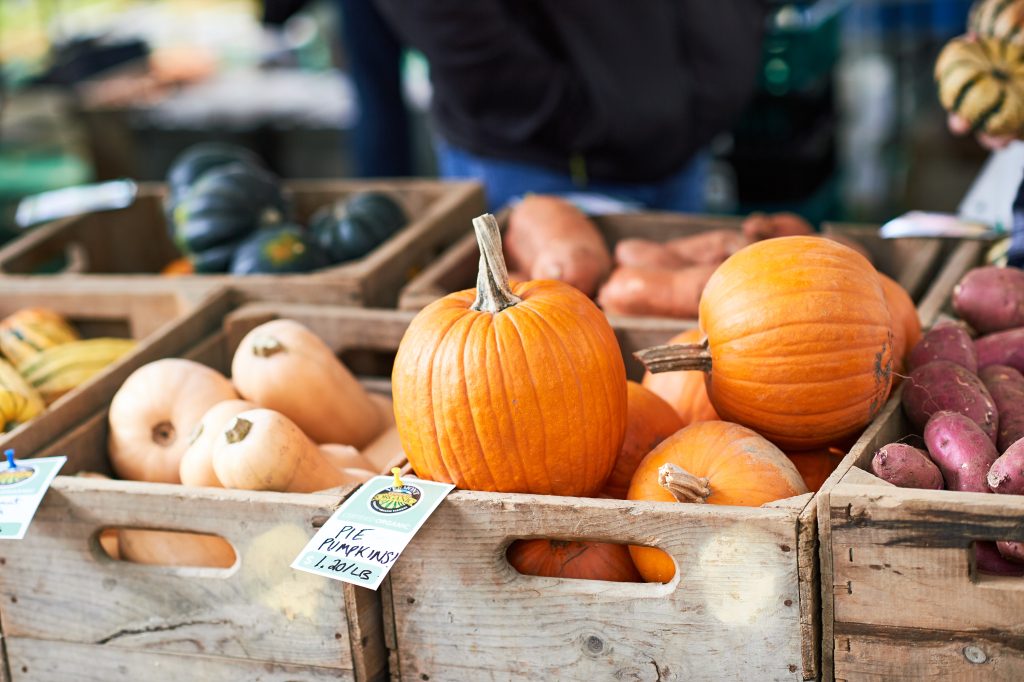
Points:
(643, 253)
(661, 293)
(710, 247)
(758, 226)
(549, 238)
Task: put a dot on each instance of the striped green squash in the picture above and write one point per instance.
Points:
(982, 81)
(998, 20)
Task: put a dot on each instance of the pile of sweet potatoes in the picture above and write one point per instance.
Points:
(966, 395)
(549, 238)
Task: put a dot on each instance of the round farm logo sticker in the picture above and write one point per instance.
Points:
(16, 475)
(395, 499)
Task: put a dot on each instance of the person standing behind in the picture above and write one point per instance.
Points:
(558, 96)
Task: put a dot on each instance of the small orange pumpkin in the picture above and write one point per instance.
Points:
(649, 421)
(684, 391)
(511, 389)
(568, 559)
(715, 463)
(799, 341)
(906, 326)
(816, 465)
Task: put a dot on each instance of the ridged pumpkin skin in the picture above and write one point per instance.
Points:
(649, 420)
(978, 80)
(740, 467)
(906, 326)
(800, 340)
(579, 560)
(999, 19)
(684, 391)
(526, 393)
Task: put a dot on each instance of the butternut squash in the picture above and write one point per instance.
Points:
(283, 366)
(153, 413)
(196, 466)
(265, 450)
(169, 548)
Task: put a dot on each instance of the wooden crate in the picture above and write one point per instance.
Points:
(911, 262)
(260, 620)
(901, 597)
(134, 240)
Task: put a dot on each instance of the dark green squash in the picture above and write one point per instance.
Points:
(214, 259)
(354, 227)
(226, 204)
(192, 163)
(275, 250)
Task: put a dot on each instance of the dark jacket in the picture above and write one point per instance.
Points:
(634, 86)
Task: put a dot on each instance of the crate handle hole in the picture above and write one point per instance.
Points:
(584, 560)
(166, 548)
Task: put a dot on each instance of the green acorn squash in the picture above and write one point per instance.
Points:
(192, 163)
(274, 250)
(214, 259)
(350, 229)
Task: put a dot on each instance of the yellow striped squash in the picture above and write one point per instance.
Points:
(997, 19)
(19, 402)
(57, 370)
(31, 331)
(983, 81)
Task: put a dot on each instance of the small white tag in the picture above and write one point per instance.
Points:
(362, 540)
(21, 490)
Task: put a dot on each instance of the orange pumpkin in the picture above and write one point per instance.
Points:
(816, 465)
(799, 341)
(684, 391)
(715, 463)
(567, 559)
(511, 389)
(649, 420)
(906, 326)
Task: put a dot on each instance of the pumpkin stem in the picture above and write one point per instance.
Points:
(683, 485)
(493, 293)
(238, 430)
(676, 357)
(265, 346)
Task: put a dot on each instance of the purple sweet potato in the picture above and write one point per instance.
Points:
(949, 342)
(1002, 348)
(1006, 475)
(962, 451)
(945, 385)
(906, 467)
(989, 560)
(1006, 386)
(991, 299)
(1011, 551)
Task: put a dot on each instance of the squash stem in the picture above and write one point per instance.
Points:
(238, 430)
(683, 485)
(265, 346)
(676, 357)
(493, 292)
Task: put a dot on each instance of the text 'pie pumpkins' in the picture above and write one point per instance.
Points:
(709, 462)
(799, 341)
(521, 390)
(980, 81)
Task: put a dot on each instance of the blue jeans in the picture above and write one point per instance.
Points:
(507, 180)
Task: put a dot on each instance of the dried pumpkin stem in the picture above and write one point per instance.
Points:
(265, 346)
(676, 357)
(683, 485)
(238, 430)
(493, 292)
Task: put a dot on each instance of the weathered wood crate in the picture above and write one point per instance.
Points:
(134, 241)
(911, 262)
(900, 595)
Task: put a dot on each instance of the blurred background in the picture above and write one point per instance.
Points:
(845, 125)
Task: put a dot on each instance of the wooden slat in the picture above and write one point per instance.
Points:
(462, 613)
(911, 262)
(45, 661)
(964, 256)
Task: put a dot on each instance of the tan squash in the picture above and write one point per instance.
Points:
(384, 450)
(343, 456)
(264, 450)
(153, 413)
(168, 548)
(196, 466)
(283, 366)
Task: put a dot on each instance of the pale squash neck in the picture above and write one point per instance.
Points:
(683, 485)
(493, 290)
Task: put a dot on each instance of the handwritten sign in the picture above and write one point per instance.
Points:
(22, 487)
(362, 540)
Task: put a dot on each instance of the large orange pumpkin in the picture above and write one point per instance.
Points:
(684, 391)
(649, 420)
(511, 389)
(799, 341)
(714, 463)
(906, 326)
(566, 559)
(816, 465)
